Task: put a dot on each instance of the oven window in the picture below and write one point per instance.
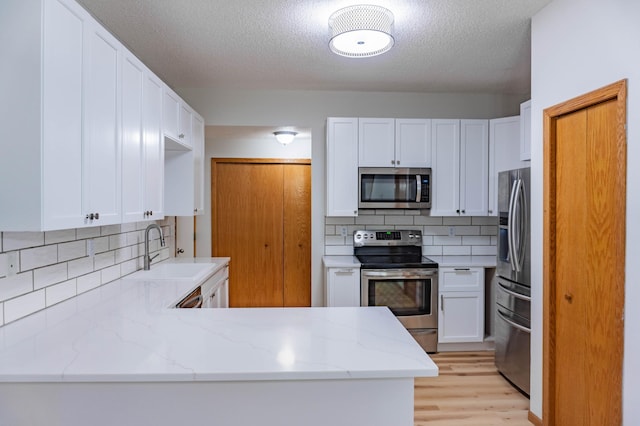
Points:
(403, 297)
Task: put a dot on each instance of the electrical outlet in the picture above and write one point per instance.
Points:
(12, 263)
(343, 231)
(3, 265)
(91, 250)
(452, 231)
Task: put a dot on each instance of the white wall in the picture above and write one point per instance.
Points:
(579, 46)
(309, 109)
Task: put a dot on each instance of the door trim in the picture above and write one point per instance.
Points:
(616, 91)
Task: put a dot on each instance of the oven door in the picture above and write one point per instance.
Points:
(411, 294)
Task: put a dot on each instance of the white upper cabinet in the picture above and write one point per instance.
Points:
(142, 147)
(102, 140)
(64, 70)
(525, 131)
(388, 142)
(445, 173)
(87, 114)
(197, 137)
(184, 172)
(460, 150)
(176, 118)
(342, 167)
(413, 142)
(474, 167)
(376, 142)
(504, 153)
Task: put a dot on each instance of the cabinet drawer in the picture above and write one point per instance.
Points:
(461, 279)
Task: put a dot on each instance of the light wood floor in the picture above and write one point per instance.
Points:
(468, 391)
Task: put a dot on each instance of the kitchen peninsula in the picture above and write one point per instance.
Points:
(120, 355)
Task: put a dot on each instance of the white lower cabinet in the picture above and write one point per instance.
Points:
(215, 290)
(342, 286)
(461, 305)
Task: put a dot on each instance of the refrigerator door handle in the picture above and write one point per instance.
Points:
(514, 294)
(524, 224)
(518, 222)
(513, 324)
(510, 227)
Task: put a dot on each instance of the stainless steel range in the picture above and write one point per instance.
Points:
(394, 273)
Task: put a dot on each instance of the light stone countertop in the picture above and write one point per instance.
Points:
(125, 332)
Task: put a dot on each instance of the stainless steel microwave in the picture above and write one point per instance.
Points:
(394, 188)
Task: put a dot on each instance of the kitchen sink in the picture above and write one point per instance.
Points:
(173, 271)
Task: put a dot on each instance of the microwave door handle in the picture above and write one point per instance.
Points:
(418, 188)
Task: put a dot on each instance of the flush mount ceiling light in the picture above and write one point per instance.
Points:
(285, 137)
(361, 31)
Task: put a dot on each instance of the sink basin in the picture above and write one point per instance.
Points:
(172, 271)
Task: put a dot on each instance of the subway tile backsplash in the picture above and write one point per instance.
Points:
(471, 235)
(58, 265)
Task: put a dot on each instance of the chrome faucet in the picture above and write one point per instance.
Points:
(147, 258)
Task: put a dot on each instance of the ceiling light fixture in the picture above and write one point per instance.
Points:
(285, 137)
(361, 31)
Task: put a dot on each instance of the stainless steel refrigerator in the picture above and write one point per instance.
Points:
(513, 288)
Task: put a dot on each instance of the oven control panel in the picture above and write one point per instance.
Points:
(386, 238)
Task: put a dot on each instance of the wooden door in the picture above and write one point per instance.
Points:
(261, 220)
(297, 234)
(585, 180)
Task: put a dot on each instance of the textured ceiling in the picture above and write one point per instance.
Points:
(441, 45)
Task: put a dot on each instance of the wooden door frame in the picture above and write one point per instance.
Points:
(616, 91)
(216, 161)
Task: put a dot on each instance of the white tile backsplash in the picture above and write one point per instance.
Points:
(38, 257)
(49, 275)
(20, 240)
(472, 235)
(88, 282)
(24, 305)
(72, 250)
(59, 292)
(54, 265)
(53, 237)
(16, 285)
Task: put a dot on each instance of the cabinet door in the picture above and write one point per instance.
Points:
(133, 195)
(184, 130)
(342, 287)
(504, 153)
(376, 142)
(413, 143)
(170, 113)
(153, 147)
(461, 317)
(102, 145)
(197, 137)
(474, 167)
(525, 131)
(445, 154)
(62, 115)
(342, 166)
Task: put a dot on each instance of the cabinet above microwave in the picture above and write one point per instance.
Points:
(394, 188)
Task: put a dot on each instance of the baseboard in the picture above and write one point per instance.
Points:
(487, 345)
(537, 421)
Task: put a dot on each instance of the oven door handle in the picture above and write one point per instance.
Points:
(392, 273)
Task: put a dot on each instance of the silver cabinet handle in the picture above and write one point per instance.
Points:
(461, 269)
(345, 271)
(181, 135)
(442, 303)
